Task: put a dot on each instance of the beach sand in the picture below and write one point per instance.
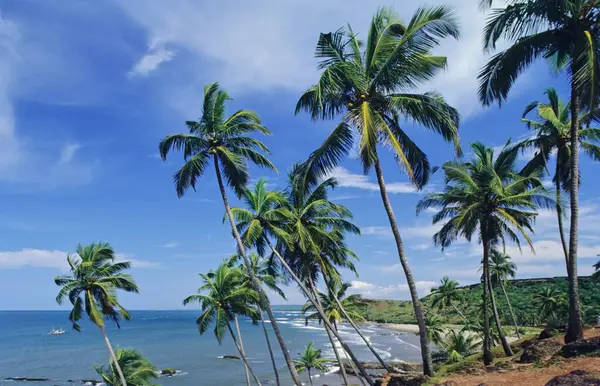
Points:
(408, 328)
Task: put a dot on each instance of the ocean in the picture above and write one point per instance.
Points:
(170, 339)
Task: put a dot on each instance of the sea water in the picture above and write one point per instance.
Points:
(170, 339)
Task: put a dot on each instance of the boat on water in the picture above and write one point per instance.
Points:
(55, 331)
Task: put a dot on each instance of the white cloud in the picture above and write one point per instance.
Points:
(418, 231)
(371, 290)
(171, 244)
(43, 258)
(67, 153)
(156, 55)
(267, 44)
(346, 179)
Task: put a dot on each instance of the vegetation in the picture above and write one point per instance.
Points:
(137, 369)
(310, 359)
(92, 288)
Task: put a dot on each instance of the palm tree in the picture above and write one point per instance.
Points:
(553, 136)
(485, 197)
(310, 359)
(435, 329)
(291, 219)
(138, 370)
(446, 295)
(502, 268)
(564, 31)
(267, 276)
(92, 286)
(369, 87)
(227, 295)
(551, 303)
(597, 273)
(460, 344)
(225, 140)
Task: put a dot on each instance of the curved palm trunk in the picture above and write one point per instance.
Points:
(114, 357)
(329, 334)
(460, 313)
(425, 353)
(507, 350)
(559, 215)
(309, 376)
(575, 325)
(264, 300)
(321, 313)
(349, 319)
(512, 313)
(239, 333)
(264, 326)
(241, 351)
(487, 354)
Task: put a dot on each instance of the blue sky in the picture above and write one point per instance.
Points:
(87, 90)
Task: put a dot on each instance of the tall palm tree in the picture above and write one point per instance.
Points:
(460, 344)
(552, 135)
(92, 287)
(225, 141)
(310, 359)
(446, 295)
(566, 32)
(267, 276)
(138, 370)
(369, 86)
(501, 269)
(488, 199)
(291, 219)
(550, 303)
(224, 294)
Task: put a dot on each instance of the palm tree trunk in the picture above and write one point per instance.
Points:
(507, 350)
(487, 354)
(264, 326)
(321, 313)
(329, 334)
(114, 357)
(239, 333)
(559, 215)
(241, 351)
(349, 319)
(425, 353)
(512, 313)
(309, 376)
(264, 300)
(575, 325)
(460, 313)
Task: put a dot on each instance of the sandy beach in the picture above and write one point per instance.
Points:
(408, 328)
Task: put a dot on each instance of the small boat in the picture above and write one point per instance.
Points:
(54, 331)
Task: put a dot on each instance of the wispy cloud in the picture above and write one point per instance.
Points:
(156, 55)
(346, 179)
(171, 244)
(372, 290)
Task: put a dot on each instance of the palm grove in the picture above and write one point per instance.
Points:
(367, 89)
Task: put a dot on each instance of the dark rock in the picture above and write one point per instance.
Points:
(91, 382)
(168, 372)
(234, 357)
(581, 347)
(540, 351)
(575, 378)
(402, 380)
(26, 379)
(547, 333)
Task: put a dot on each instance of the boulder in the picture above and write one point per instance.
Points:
(581, 347)
(539, 351)
(234, 357)
(547, 333)
(168, 372)
(575, 378)
(402, 380)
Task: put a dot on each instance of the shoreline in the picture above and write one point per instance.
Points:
(400, 327)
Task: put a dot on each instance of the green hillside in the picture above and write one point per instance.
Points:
(519, 291)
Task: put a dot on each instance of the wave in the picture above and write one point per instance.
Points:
(406, 343)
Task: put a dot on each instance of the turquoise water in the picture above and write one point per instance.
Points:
(170, 339)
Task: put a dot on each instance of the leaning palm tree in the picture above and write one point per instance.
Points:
(310, 359)
(488, 199)
(460, 344)
(226, 142)
(435, 329)
(266, 274)
(501, 269)
(446, 295)
(224, 294)
(92, 288)
(552, 135)
(331, 301)
(137, 369)
(550, 303)
(565, 32)
(369, 86)
(291, 219)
